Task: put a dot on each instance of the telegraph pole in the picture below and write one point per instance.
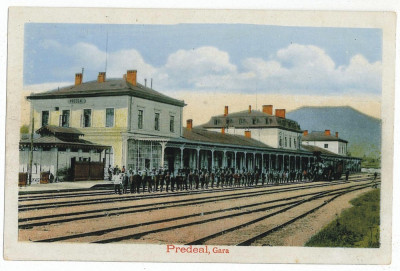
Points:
(31, 150)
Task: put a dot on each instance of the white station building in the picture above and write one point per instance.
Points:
(129, 124)
(326, 141)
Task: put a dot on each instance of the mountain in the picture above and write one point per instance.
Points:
(361, 131)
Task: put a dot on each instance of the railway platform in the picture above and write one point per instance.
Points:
(65, 186)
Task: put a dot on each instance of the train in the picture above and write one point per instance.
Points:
(327, 170)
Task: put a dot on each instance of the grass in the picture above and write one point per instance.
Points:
(368, 162)
(356, 227)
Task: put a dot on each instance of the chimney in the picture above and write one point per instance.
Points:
(280, 113)
(78, 79)
(223, 130)
(247, 134)
(337, 134)
(131, 77)
(267, 109)
(305, 133)
(249, 109)
(101, 78)
(327, 132)
(189, 124)
(226, 111)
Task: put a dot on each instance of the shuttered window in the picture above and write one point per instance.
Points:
(45, 118)
(109, 117)
(140, 119)
(87, 117)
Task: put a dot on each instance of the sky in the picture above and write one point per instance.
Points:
(241, 60)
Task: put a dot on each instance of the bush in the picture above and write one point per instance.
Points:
(64, 174)
(24, 129)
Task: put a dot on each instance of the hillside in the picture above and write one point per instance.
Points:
(363, 132)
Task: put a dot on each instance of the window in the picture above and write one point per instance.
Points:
(172, 124)
(242, 121)
(254, 121)
(157, 121)
(109, 117)
(325, 146)
(280, 142)
(216, 121)
(285, 141)
(140, 119)
(45, 118)
(290, 142)
(294, 142)
(87, 117)
(65, 118)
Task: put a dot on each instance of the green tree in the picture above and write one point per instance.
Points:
(24, 129)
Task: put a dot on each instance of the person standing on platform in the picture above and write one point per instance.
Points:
(173, 181)
(167, 180)
(144, 180)
(212, 176)
(117, 179)
(132, 180)
(196, 179)
(125, 182)
(110, 173)
(190, 179)
(162, 179)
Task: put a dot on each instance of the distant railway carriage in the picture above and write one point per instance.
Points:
(327, 169)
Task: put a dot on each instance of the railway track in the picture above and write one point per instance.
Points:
(38, 195)
(286, 203)
(151, 206)
(133, 197)
(101, 232)
(329, 194)
(152, 194)
(175, 227)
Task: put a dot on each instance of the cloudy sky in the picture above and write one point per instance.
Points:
(232, 59)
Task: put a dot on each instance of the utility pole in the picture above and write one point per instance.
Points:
(31, 150)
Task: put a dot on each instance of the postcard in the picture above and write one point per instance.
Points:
(234, 136)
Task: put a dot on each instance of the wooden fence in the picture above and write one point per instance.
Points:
(85, 170)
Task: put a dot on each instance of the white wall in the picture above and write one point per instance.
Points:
(269, 136)
(333, 146)
(149, 109)
(46, 160)
(342, 148)
(98, 106)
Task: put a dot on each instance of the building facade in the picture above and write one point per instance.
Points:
(326, 141)
(55, 149)
(110, 112)
(274, 130)
(141, 128)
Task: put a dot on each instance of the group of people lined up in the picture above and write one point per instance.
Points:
(191, 179)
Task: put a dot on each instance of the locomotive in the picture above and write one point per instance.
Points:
(326, 170)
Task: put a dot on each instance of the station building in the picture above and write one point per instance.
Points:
(326, 141)
(132, 125)
(273, 130)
